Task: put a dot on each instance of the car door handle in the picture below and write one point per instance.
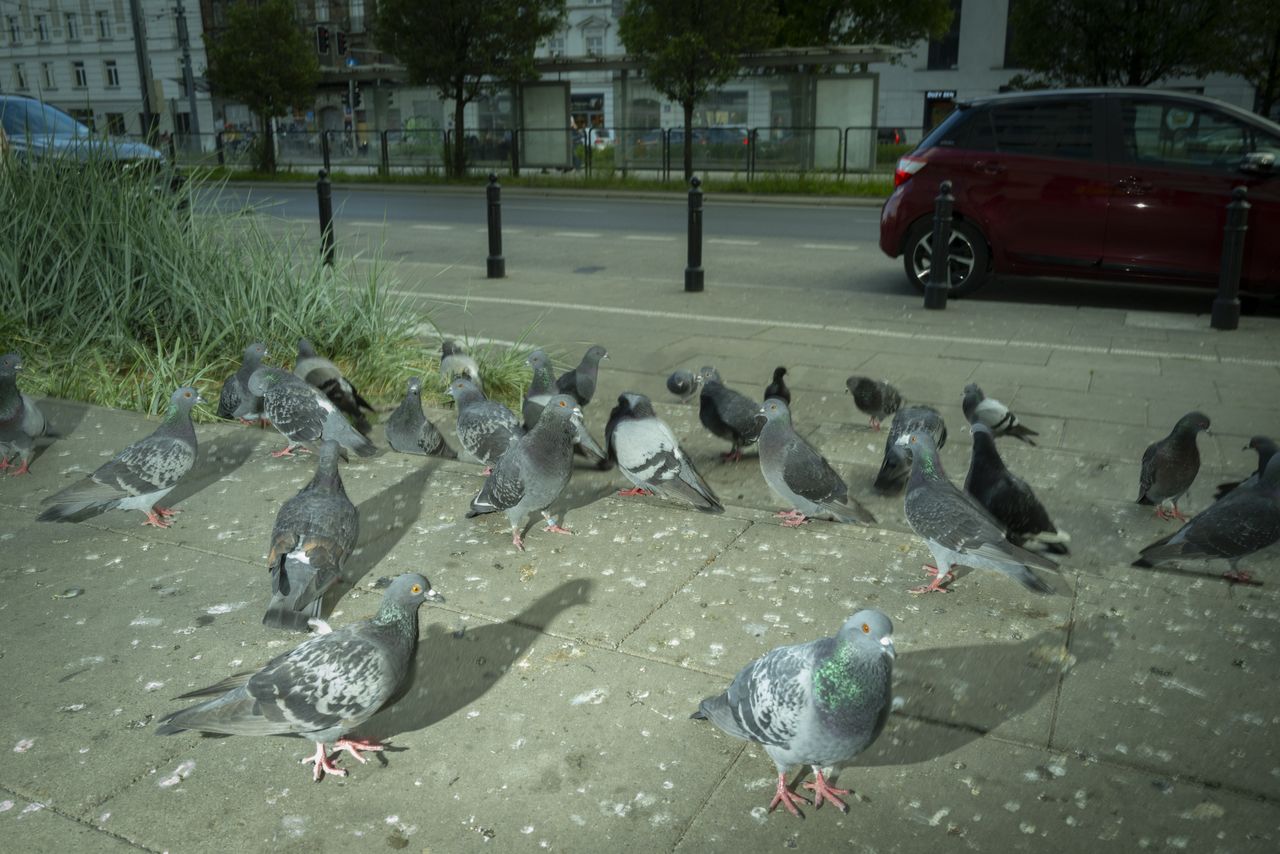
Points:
(990, 167)
(1133, 186)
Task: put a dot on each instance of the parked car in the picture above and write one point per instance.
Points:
(1128, 184)
(36, 129)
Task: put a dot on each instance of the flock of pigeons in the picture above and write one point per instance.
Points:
(818, 703)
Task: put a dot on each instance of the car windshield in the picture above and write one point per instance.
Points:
(23, 118)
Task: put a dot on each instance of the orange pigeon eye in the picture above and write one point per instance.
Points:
(562, 403)
(866, 628)
(417, 588)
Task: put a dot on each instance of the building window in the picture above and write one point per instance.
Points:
(104, 24)
(79, 75)
(944, 53)
(42, 28)
(356, 11)
(73, 27)
(555, 45)
(46, 73)
(15, 30)
(115, 124)
(112, 74)
(595, 43)
(19, 77)
(322, 11)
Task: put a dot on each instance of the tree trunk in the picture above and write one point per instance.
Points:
(1268, 88)
(459, 134)
(267, 156)
(688, 140)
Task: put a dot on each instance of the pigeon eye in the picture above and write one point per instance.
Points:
(562, 403)
(866, 628)
(417, 588)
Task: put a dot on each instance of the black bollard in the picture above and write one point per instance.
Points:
(693, 272)
(324, 192)
(935, 291)
(496, 265)
(1226, 308)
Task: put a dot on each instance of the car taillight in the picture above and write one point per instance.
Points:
(907, 166)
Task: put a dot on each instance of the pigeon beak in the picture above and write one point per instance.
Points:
(887, 643)
(432, 595)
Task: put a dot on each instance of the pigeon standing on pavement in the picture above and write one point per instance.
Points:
(683, 384)
(987, 410)
(580, 383)
(541, 387)
(319, 372)
(957, 529)
(455, 362)
(140, 476)
(324, 688)
(302, 414)
(1170, 466)
(408, 430)
(1266, 449)
(649, 456)
(819, 703)
(874, 398)
(777, 387)
(896, 466)
(533, 472)
(235, 401)
(485, 427)
(21, 421)
(1008, 497)
(314, 534)
(801, 476)
(728, 414)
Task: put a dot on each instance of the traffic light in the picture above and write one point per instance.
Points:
(322, 40)
(342, 43)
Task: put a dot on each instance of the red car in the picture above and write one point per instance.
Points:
(1090, 183)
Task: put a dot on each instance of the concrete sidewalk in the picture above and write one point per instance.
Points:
(548, 707)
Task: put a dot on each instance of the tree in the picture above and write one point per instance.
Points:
(266, 61)
(888, 22)
(1251, 48)
(689, 47)
(465, 48)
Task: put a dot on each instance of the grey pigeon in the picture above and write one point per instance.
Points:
(485, 427)
(650, 457)
(978, 408)
(957, 529)
(140, 476)
(580, 383)
(455, 362)
(801, 476)
(1170, 466)
(541, 388)
(1247, 520)
(1266, 449)
(874, 398)
(777, 387)
(1008, 497)
(235, 401)
(21, 421)
(819, 703)
(533, 472)
(408, 430)
(314, 534)
(319, 372)
(727, 413)
(683, 384)
(896, 466)
(302, 414)
(322, 689)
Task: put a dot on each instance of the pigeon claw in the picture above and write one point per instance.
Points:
(354, 746)
(156, 518)
(791, 518)
(22, 469)
(552, 527)
(875, 424)
(938, 583)
(635, 490)
(1236, 576)
(288, 451)
(323, 764)
(821, 790)
(732, 456)
(787, 798)
(516, 539)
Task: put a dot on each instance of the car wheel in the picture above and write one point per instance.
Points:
(968, 262)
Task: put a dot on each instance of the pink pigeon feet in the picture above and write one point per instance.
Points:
(821, 790)
(158, 517)
(488, 470)
(1236, 576)
(937, 585)
(288, 451)
(516, 539)
(786, 797)
(731, 456)
(322, 764)
(1175, 513)
(628, 493)
(791, 518)
(552, 527)
(875, 424)
(4, 463)
(354, 746)
(22, 469)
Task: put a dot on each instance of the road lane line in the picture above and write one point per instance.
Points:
(838, 247)
(654, 237)
(587, 234)
(428, 227)
(725, 242)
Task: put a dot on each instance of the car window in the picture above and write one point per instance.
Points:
(1046, 129)
(1185, 135)
(22, 118)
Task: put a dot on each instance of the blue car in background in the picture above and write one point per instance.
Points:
(33, 129)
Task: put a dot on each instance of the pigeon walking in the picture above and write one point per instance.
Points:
(1266, 449)
(140, 476)
(1008, 497)
(314, 534)
(957, 529)
(408, 430)
(683, 384)
(1170, 466)
(649, 456)
(485, 427)
(728, 414)
(987, 410)
(896, 466)
(21, 421)
(874, 398)
(801, 476)
(302, 414)
(580, 383)
(819, 703)
(541, 388)
(322, 689)
(235, 401)
(777, 387)
(319, 372)
(455, 362)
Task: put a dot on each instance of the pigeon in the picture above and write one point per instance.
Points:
(1170, 465)
(322, 689)
(896, 465)
(580, 383)
(235, 401)
(957, 529)
(21, 421)
(533, 472)
(1247, 520)
(650, 457)
(140, 476)
(874, 398)
(302, 414)
(485, 427)
(1266, 449)
(980, 408)
(541, 388)
(319, 372)
(819, 703)
(314, 534)
(801, 476)
(455, 362)
(1008, 497)
(778, 387)
(683, 384)
(728, 414)
(409, 431)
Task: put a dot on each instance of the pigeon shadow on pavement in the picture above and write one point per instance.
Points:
(217, 459)
(63, 417)
(384, 520)
(572, 499)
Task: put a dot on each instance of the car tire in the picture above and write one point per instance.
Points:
(970, 257)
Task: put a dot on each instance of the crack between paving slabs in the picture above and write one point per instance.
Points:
(724, 778)
(1062, 675)
(82, 822)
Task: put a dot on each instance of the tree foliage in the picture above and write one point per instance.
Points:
(1251, 48)
(887, 22)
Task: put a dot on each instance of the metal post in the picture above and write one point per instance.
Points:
(935, 292)
(324, 150)
(217, 144)
(324, 192)
(497, 266)
(385, 166)
(1226, 308)
(693, 272)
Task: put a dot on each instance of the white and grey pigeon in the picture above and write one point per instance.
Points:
(683, 384)
(728, 413)
(801, 476)
(1266, 448)
(1008, 497)
(456, 362)
(1170, 466)
(649, 455)
(874, 398)
(580, 382)
(819, 703)
(957, 529)
(324, 688)
(314, 534)
(485, 427)
(302, 414)
(533, 471)
(140, 476)
(896, 465)
(235, 401)
(21, 421)
(410, 432)
(987, 410)
(541, 387)
(319, 372)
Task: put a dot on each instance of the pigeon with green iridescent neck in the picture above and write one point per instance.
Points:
(1170, 466)
(408, 430)
(235, 401)
(21, 421)
(818, 704)
(302, 414)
